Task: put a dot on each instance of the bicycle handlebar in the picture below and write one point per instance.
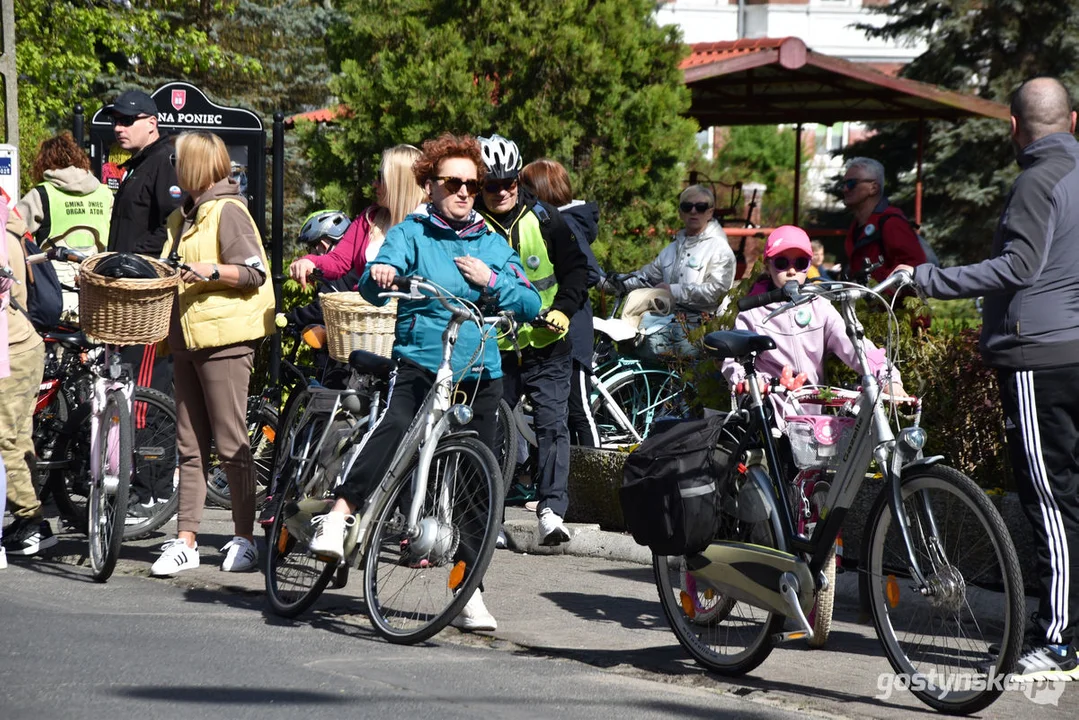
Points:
(416, 284)
(787, 292)
(59, 253)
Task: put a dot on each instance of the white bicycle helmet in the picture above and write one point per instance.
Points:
(501, 156)
(324, 224)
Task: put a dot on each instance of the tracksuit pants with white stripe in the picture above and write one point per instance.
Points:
(1041, 411)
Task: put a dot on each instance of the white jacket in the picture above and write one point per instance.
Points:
(699, 269)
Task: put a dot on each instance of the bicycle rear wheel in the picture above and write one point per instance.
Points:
(413, 587)
(966, 625)
(262, 430)
(295, 578)
(506, 442)
(108, 491)
(726, 636)
(644, 396)
(155, 461)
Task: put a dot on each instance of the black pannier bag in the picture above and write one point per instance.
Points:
(670, 485)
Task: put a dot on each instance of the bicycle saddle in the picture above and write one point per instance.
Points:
(368, 363)
(73, 340)
(736, 343)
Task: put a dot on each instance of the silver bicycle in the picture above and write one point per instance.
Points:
(426, 535)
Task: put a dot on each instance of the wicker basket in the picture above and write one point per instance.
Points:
(352, 323)
(125, 311)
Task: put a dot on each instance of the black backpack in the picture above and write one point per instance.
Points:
(44, 301)
(671, 483)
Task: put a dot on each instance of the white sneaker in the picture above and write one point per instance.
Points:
(242, 555)
(552, 530)
(3, 558)
(500, 542)
(475, 616)
(328, 538)
(177, 556)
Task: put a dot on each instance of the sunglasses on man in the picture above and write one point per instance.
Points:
(689, 206)
(801, 263)
(851, 183)
(127, 120)
(453, 185)
(496, 186)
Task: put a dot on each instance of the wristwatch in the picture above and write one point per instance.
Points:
(216, 274)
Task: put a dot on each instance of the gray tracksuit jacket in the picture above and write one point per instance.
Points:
(1031, 280)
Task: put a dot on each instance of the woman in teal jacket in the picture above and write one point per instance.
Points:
(452, 247)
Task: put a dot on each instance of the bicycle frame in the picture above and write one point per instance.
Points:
(109, 377)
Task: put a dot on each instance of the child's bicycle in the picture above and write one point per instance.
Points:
(426, 535)
(937, 565)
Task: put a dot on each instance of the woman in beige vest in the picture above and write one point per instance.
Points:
(224, 304)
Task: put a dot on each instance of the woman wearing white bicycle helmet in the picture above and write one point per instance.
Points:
(396, 195)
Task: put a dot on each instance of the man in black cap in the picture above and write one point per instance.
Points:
(148, 193)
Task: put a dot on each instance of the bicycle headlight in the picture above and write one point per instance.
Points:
(460, 414)
(913, 437)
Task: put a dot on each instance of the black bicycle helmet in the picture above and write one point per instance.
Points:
(501, 156)
(126, 265)
(324, 224)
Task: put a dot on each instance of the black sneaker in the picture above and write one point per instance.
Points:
(138, 513)
(29, 538)
(1048, 662)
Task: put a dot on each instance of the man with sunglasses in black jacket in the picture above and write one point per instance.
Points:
(148, 194)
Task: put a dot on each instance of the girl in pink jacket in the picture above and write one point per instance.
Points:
(805, 335)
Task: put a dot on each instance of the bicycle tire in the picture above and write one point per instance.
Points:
(465, 472)
(262, 431)
(977, 589)
(644, 395)
(506, 440)
(713, 639)
(286, 429)
(294, 577)
(108, 493)
(154, 453)
(820, 617)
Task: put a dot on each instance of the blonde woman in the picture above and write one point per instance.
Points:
(216, 321)
(397, 195)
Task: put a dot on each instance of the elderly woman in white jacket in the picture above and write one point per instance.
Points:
(691, 275)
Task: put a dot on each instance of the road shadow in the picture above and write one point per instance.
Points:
(203, 694)
(630, 613)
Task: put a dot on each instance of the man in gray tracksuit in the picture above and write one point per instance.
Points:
(1030, 334)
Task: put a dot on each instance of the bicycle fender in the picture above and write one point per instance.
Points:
(462, 432)
(923, 462)
(762, 483)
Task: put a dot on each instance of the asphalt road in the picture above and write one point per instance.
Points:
(579, 637)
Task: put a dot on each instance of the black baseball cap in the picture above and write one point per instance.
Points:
(132, 103)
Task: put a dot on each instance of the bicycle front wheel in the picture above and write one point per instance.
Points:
(726, 636)
(414, 586)
(965, 626)
(506, 442)
(108, 490)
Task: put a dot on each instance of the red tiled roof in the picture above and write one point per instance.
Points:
(770, 81)
(321, 115)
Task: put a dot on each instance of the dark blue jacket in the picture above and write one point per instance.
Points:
(1030, 282)
(583, 221)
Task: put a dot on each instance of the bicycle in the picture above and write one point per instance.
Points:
(427, 533)
(111, 447)
(938, 566)
(62, 434)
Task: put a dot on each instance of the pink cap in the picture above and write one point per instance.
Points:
(787, 237)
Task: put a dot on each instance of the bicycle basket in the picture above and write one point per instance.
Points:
(126, 311)
(352, 323)
(817, 439)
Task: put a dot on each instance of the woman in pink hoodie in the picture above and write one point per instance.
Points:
(397, 195)
(805, 335)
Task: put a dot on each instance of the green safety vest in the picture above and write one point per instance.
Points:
(533, 251)
(66, 211)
